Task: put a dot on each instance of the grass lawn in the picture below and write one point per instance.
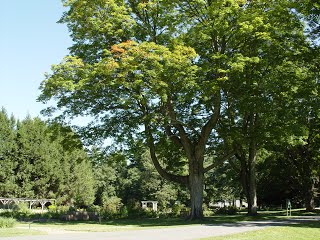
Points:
(305, 231)
(11, 232)
(158, 222)
(133, 224)
(110, 226)
(91, 226)
(136, 224)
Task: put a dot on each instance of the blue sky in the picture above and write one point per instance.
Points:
(30, 42)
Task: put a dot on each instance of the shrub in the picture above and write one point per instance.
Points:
(7, 222)
(22, 211)
(149, 213)
(123, 212)
(177, 209)
(111, 207)
(62, 209)
(135, 211)
(6, 213)
(208, 213)
(231, 210)
(52, 208)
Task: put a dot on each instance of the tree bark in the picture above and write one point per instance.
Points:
(310, 205)
(196, 196)
(309, 198)
(194, 180)
(248, 177)
(252, 205)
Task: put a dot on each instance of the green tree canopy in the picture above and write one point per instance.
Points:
(175, 70)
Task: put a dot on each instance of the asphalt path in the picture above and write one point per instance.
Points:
(170, 233)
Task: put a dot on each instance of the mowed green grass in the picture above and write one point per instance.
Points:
(136, 224)
(304, 231)
(38, 228)
(129, 224)
(10, 232)
(112, 225)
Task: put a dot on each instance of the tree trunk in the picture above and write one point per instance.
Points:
(196, 195)
(248, 182)
(309, 198)
(248, 177)
(310, 206)
(252, 201)
(252, 204)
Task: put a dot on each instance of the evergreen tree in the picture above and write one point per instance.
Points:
(8, 150)
(39, 160)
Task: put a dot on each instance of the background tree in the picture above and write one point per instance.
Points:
(267, 68)
(109, 173)
(290, 172)
(39, 160)
(8, 150)
(34, 165)
(74, 181)
(222, 183)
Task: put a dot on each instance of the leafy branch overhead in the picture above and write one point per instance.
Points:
(132, 78)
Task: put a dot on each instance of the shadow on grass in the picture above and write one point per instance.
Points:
(311, 223)
(279, 218)
(162, 222)
(153, 222)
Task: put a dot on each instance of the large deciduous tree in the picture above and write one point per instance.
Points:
(264, 84)
(170, 70)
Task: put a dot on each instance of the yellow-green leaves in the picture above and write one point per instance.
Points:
(148, 68)
(64, 77)
(132, 54)
(241, 61)
(96, 25)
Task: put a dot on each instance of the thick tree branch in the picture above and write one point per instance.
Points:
(207, 128)
(233, 165)
(150, 142)
(163, 173)
(222, 159)
(239, 152)
(186, 143)
(175, 139)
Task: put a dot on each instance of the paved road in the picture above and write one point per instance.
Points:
(172, 233)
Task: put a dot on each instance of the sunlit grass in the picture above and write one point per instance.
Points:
(11, 232)
(283, 233)
(305, 231)
(135, 224)
(110, 226)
